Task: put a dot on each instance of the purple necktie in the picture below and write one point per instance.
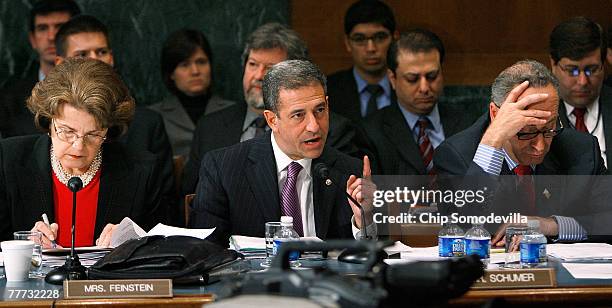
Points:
(290, 203)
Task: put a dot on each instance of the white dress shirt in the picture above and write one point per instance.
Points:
(593, 121)
(303, 186)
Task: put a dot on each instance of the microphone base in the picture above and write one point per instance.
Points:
(71, 270)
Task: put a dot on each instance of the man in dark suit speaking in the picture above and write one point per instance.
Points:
(243, 186)
(520, 137)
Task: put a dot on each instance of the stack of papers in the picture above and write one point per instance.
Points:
(250, 247)
(128, 229)
(580, 251)
(87, 255)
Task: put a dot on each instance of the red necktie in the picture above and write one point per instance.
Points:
(579, 114)
(425, 146)
(526, 187)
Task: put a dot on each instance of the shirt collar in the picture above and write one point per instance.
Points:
(362, 84)
(592, 109)
(283, 161)
(249, 118)
(412, 118)
(41, 75)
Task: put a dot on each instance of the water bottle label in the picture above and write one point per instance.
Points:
(530, 252)
(451, 246)
(293, 256)
(543, 256)
(478, 247)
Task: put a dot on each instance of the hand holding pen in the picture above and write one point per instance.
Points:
(49, 232)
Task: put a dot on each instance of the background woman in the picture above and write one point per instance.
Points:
(186, 63)
(84, 106)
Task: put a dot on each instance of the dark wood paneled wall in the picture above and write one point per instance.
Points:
(481, 36)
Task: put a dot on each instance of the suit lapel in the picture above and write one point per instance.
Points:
(401, 136)
(605, 99)
(233, 123)
(40, 183)
(262, 178)
(323, 195)
(114, 182)
(176, 114)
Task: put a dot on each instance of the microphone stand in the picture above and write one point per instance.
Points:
(72, 269)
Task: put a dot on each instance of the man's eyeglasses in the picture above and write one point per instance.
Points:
(362, 40)
(546, 133)
(574, 71)
(71, 137)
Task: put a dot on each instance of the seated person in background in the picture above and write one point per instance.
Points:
(186, 64)
(369, 29)
(46, 17)
(267, 45)
(521, 135)
(402, 137)
(84, 107)
(245, 185)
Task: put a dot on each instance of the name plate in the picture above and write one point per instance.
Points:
(517, 278)
(81, 289)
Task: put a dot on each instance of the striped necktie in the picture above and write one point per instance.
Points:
(290, 203)
(425, 146)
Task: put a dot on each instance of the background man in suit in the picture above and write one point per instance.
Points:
(369, 28)
(516, 138)
(402, 137)
(577, 58)
(243, 186)
(45, 19)
(266, 46)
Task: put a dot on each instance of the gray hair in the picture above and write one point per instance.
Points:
(290, 75)
(533, 71)
(275, 35)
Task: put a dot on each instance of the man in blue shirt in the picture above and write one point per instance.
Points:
(521, 136)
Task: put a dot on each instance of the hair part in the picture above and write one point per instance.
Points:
(527, 70)
(178, 47)
(274, 35)
(575, 38)
(415, 40)
(369, 11)
(76, 25)
(86, 84)
(46, 7)
(290, 75)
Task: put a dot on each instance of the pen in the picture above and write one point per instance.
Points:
(46, 221)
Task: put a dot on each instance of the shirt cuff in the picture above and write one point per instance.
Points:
(489, 159)
(370, 229)
(570, 230)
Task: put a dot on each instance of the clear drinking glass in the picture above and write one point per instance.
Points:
(36, 237)
(513, 234)
(271, 228)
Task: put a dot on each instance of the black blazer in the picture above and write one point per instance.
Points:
(238, 192)
(391, 143)
(605, 109)
(14, 116)
(224, 128)
(131, 185)
(344, 97)
(562, 186)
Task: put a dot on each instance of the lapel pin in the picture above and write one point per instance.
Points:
(546, 193)
(328, 182)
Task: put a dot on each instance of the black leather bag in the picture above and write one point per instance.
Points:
(185, 260)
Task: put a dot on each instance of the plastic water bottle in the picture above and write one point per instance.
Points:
(533, 246)
(451, 241)
(478, 242)
(284, 234)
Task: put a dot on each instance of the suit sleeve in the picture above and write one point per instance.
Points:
(341, 135)
(210, 207)
(5, 211)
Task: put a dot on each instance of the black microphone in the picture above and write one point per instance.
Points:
(72, 269)
(322, 171)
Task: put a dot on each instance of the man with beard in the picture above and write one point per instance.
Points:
(267, 45)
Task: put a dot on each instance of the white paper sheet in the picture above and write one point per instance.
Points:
(580, 251)
(128, 229)
(589, 270)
